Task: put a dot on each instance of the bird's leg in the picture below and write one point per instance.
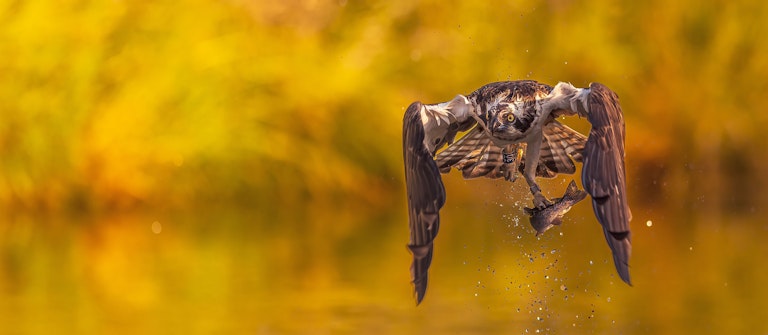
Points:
(532, 153)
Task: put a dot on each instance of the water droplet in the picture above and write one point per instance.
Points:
(566, 62)
(415, 55)
(157, 227)
(649, 223)
(590, 262)
(608, 299)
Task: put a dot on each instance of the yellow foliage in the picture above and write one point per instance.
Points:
(125, 104)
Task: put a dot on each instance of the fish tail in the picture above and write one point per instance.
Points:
(529, 211)
(573, 192)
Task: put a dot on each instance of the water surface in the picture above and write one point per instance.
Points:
(321, 270)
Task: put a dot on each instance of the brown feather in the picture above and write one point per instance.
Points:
(603, 174)
(477, 156)
(426, 195)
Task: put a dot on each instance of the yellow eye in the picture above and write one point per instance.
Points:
(510, 117)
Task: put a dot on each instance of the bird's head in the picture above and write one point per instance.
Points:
(508, 123)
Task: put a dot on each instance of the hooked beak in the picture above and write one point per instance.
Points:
(492, 125)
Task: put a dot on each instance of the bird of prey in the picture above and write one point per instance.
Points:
(511, 127)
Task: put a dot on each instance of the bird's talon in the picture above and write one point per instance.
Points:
(540, 201)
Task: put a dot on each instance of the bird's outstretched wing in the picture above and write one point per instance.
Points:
(603, 174)
(426, 195)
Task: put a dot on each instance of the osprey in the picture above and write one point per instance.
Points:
(512, 127)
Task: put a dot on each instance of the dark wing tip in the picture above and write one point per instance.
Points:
(621, 249)
(420, 290)
(422, 258)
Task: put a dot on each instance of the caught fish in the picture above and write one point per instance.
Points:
(544, 218)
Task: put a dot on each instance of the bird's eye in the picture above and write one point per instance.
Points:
(510, 117)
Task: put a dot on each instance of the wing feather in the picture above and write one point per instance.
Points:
(426, 195)
(603, 174)
(476, 155)
(466, 151)
(561, 145)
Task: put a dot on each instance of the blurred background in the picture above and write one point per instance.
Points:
(235, 167)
